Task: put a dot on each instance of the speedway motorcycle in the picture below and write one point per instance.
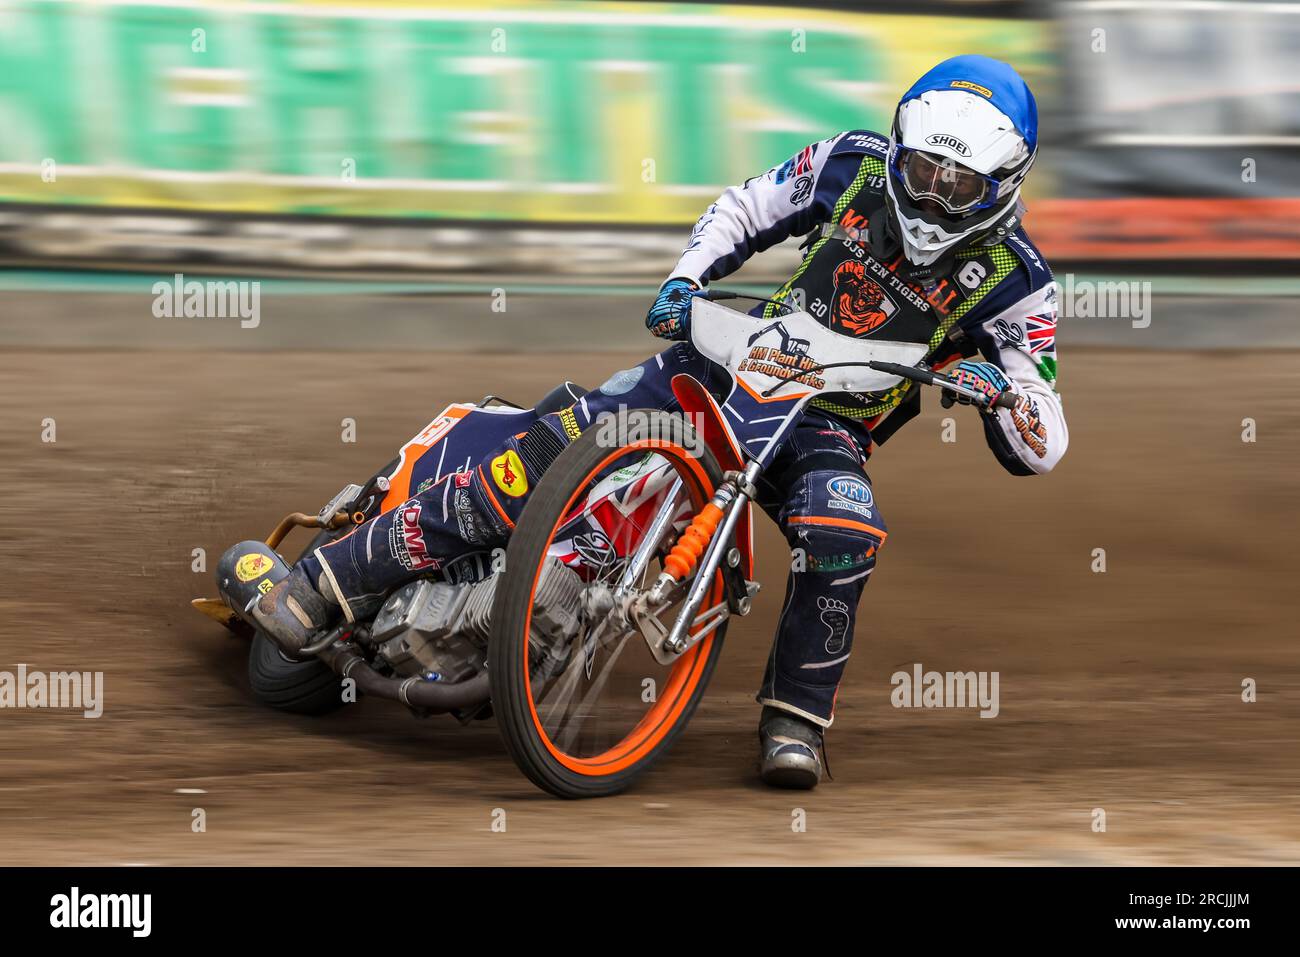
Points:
(591, 640)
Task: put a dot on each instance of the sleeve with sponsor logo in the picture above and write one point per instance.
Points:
(1021, 340)
(787, 200)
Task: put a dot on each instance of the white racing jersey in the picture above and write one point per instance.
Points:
(1000, 299)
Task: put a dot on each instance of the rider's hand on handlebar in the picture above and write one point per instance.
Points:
(670, 316)
(983, 377)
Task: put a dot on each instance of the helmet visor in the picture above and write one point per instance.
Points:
(951, 185)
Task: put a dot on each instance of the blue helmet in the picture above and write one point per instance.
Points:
(963, 139)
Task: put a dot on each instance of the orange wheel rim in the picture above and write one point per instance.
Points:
(686, 671)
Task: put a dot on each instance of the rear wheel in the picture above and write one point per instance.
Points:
(299, 687)
(586, 711)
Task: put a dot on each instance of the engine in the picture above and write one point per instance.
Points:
(419, 630)
(439, 631)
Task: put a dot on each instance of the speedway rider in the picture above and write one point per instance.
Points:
(914, 237)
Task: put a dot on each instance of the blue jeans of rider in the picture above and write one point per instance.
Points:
(816, 490)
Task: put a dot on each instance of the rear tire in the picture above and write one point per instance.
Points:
(298, 687)
(534, 753)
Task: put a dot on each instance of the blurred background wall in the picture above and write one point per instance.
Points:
(535, 138)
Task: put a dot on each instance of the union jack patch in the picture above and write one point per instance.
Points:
(803, 161)
(1041, 333)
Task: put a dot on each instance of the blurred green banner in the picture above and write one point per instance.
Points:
(585, 112)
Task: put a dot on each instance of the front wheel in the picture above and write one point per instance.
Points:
(585, 708)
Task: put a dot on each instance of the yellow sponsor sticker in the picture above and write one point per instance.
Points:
(983, 91)
(252, 566)
(570, 423)
(508, 473)
(265, 586)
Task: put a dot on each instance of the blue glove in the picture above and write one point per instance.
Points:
(984, 377)
(670, 316)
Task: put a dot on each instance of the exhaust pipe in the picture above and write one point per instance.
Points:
(413, 692)
(248, 570)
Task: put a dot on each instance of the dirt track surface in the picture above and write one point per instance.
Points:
(1119, 691)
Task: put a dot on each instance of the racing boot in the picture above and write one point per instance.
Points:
(293, 613)
(791, 750)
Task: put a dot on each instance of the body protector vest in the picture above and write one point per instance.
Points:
(855, 293)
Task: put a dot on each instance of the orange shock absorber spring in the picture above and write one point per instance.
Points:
(688, 549)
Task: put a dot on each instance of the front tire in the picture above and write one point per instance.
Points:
(556, 758)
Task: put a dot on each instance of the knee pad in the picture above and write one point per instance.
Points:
(500, 485)
(542, 444)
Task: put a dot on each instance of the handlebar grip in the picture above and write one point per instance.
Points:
(1007, 400)
(924, 376)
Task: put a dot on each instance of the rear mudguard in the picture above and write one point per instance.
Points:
(459, 437)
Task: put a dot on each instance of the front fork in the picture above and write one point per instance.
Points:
(710, 533)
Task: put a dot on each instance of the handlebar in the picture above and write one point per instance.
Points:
(714, 295)
(1005, 400)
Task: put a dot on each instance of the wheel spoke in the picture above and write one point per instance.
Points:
(593, 691)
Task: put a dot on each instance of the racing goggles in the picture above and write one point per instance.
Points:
(951, 185)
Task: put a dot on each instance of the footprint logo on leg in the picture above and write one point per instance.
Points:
(835, 616)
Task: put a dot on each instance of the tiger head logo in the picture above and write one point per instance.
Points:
(860, 305)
